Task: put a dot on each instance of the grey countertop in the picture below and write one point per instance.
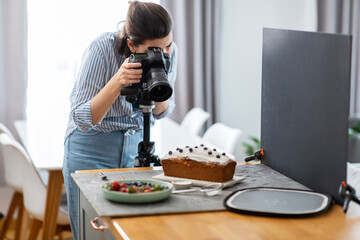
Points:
(256, 176)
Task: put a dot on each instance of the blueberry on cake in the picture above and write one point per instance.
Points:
(199, 162)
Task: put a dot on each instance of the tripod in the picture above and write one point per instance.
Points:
(146, 148)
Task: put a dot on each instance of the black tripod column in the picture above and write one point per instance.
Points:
(146, 114)
(146, 148)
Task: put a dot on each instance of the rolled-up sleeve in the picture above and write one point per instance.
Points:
(172, 79)
(90, 80)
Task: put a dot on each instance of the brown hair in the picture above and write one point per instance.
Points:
(144, 21)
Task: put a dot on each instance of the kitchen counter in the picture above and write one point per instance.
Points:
(194, 222)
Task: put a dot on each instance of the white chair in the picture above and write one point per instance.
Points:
(222, 136)
(353, 176)
(13, 177)
(194, 120)
(34, 191)
(21, 124)
(4, 129)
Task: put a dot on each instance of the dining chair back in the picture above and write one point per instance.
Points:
(222, 136)
(194, 120)
(34, 190)
(21, 124)
(13, 162)
(4, 129)
(13, 173)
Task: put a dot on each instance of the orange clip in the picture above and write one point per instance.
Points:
(262, 152)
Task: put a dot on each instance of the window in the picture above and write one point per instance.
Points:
(58, 33)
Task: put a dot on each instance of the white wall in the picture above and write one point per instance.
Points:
(242, 22)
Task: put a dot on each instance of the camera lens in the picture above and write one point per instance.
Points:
(159, 90)
(160, 93)
(158, 85)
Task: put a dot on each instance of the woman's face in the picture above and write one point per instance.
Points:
(163, 43)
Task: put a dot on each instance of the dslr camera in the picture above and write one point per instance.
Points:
(154, 84)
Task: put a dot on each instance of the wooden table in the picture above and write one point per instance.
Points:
(45, 147)
(333, 224)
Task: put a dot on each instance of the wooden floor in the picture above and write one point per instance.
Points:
(11, 233)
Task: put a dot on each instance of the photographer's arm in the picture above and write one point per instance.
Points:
(102, 102)
(160, 107)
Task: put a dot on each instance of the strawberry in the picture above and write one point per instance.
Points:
(116, 185)
(132, 189)
(124, 189)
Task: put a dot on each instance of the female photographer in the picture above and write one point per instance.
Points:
(104, 130)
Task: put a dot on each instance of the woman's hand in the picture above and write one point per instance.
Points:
(128, 73)
(102, 102)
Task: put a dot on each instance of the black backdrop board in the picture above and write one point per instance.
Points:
(305, 106)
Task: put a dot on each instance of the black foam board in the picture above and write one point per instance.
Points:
(305, 106)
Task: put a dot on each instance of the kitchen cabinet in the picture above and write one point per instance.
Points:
(86, 214)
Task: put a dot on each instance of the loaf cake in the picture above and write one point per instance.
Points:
(199, 163)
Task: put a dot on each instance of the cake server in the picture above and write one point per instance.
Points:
(210, 190)
(186, 190)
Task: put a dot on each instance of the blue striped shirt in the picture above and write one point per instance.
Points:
(100, 63)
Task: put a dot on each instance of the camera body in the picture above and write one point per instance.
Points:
(154, 84)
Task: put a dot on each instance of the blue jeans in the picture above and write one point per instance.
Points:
(95, 150)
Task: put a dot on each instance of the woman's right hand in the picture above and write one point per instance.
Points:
(128, 73)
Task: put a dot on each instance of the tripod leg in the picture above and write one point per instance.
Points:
(156, 160)
(141, 161)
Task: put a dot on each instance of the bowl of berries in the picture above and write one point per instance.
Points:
(136, 191)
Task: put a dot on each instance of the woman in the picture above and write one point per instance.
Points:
(104, 129)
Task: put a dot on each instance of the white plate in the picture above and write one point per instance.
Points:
(199, 183)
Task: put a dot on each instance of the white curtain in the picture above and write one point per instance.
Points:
(196, 33)
(13, 64)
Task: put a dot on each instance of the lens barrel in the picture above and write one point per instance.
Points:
(158, 85)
